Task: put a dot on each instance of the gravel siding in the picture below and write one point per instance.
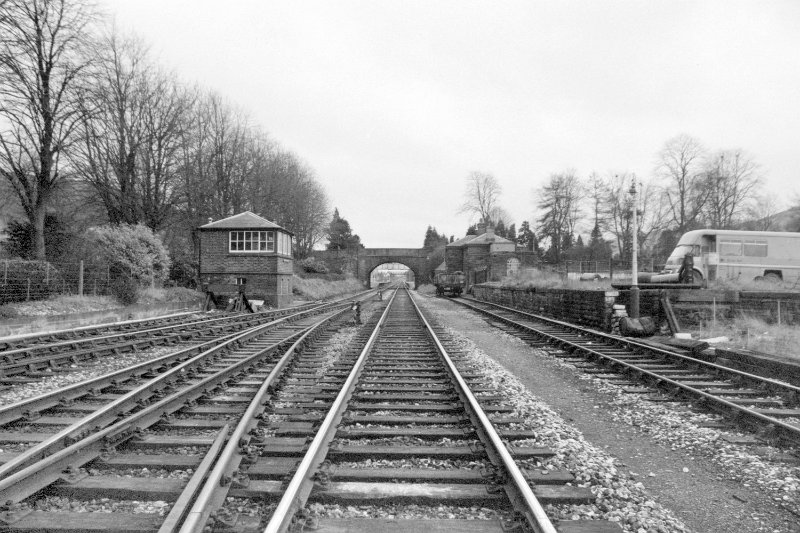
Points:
(649, 454)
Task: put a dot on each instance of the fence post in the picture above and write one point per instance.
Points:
(80, 278)
(95, 286)
(47, 273)
(779, 312)
(5, 272)
(28, 294)
(714, 312)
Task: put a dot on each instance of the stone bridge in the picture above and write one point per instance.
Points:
(363, 262)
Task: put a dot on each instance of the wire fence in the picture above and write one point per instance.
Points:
(605, 269)
(22, 281)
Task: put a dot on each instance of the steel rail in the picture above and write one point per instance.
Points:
(123, 336)
(130, 335)
(62, 333)
(109, 413)
(794, 431)
(189, 493)
(34, 477)
(30, 406)
(630, 342)
(532, 509)
(210, 495)
(299, 487)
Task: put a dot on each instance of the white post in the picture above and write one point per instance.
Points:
(634, 254)
(80, 278)
(714, 312)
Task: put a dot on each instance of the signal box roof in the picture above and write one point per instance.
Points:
(246, 220)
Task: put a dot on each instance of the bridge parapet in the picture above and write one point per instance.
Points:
(362, 262)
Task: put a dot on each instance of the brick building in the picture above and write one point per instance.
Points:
(250, 251)
(484, 257)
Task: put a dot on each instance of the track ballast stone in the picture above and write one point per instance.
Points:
(618, 498)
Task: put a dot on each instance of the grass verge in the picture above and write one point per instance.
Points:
(319, 289)
(68, 304)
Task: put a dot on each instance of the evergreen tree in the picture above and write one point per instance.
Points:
(340, 236)
(599, 249)
(511, 233)
(433, 239)
(500, 229)
(525, 237)
(472, 230)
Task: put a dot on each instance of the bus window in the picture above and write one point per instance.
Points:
(755, 248)
(730, 247)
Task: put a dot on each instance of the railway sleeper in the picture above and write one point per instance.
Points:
(356, 492)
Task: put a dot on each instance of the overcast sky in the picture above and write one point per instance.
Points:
(394, 103)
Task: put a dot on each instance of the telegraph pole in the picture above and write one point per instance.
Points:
(634, 255)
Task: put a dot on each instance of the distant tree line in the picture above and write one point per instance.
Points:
(89, 119)
(590, 218)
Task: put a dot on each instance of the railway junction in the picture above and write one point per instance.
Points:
(427, 414)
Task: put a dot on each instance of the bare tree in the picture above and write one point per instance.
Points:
(41, 64)
(113, 125)
(761, 213)
(559, 201)
(618, 212)
(680, 167)
(481, 196)
(165, 119)
(731, 180)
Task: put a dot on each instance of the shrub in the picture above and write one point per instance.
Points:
(125, 289)
(309, 264)
(183, 272)
(132, 251)
(58, 239)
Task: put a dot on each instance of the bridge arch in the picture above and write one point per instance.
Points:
(370, 275)
(362, 262)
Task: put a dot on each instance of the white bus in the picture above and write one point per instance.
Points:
(736, 255)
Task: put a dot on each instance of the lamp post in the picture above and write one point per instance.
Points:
(634, 254)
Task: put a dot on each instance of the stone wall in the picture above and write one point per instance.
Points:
(591, 308)
(692, 308)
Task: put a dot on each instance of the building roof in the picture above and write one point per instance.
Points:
(462, 241)
(246, 220)
(441, 267)
(488, 238)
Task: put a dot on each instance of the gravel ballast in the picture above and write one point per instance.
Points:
(641, 457)
(84, 371)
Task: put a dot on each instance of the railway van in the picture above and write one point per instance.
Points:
(450, 283)
(735, 255)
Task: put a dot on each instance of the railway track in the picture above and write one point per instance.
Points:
(769, 407)
(362, 431)
(283, 423)
(168, 423)
(47, 338)
(28, 358)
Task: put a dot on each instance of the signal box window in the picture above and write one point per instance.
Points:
(251, 241)
(730, 247)
(755, 248)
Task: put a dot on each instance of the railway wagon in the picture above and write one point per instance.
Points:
(452, 283)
